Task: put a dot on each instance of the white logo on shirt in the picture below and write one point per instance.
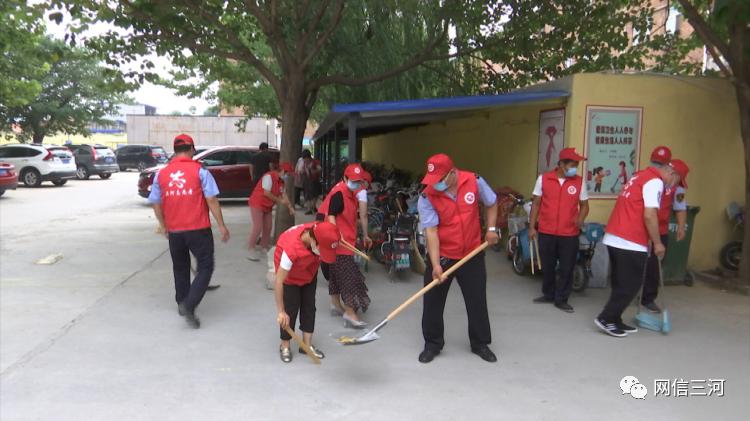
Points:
(572, 190)
(469, 198)
(430, 167)
(178, 179)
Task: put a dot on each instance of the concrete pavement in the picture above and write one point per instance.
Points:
(97, 336)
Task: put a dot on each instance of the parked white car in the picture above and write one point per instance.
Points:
(35, 164)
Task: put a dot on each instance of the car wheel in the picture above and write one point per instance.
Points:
(82, 173)
(2, 192)
(142, 166)
(31, 177)
(123, 169)
(59, 183)
(105, 176)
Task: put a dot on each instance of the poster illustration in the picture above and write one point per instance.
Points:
(613, 138)
(551, 135)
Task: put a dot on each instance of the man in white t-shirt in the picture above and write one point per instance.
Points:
(634, 223)
(560, 207)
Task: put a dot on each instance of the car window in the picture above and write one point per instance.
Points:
(219, 158)
(160, 151)
(27, 152)
(104, 151)
(244, 157)
(83, 151)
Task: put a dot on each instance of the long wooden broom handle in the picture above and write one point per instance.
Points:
(354, 249)
(436, 281)
(304, 346)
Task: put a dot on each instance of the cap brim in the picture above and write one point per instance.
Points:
(431, 179)
(327, 255)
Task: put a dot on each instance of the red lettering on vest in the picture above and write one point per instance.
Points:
(346, 221)
(626, 220)
(459, 229)
(259, 200)
(182, 199)
(559, 207)
(304, 262)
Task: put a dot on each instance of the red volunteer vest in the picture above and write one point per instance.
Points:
(258, 198)
(559, 205)
(459, 229)
(665, 209)
(182, 199)
(347, 220)
(626, 220)
(304, 262)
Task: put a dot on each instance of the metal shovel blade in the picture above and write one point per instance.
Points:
(367, 337)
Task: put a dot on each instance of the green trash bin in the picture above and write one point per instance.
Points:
(675, 262)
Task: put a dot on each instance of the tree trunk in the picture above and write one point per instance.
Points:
(294, 115)
(743, 100)
(37, 137)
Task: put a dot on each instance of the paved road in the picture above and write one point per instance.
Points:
(97, 336)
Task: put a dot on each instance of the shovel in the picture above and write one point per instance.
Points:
(656, 322)
(372, 334)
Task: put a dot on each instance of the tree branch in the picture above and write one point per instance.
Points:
(703, 29)
(270, 27)
(320, 41)
(424, 55)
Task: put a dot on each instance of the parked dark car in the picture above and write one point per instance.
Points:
(230, 166)
(94, 160)
(8, 177)
(140, 157)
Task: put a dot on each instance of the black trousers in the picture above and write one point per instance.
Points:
(627, 270)
(298, 195)
(554, 249)
(300, 299)
(201, 244)
(651, 284)
(472, 278)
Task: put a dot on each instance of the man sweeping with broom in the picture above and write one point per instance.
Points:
(449, 212)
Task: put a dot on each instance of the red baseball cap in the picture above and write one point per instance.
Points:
(354, 172)
(327, 236)
(438, 166)
(570, 154)
(183, 139)
(367, 176)
(682, 169)
(285, 166)
(661, 155)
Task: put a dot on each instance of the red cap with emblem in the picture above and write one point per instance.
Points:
(571, 155)
(661, 155)
(438, 166)
(682, 169)
(183, 139)
(327, 237)
(285, 166)
(354, 172)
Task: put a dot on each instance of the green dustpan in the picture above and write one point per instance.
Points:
(656, 322)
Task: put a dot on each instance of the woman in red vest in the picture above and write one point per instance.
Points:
(449, 212)
(632, 229)
(298, 253)
(346, 284)
(560, 206)
(268, 192)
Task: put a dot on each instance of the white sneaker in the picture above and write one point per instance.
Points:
(253, 256)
